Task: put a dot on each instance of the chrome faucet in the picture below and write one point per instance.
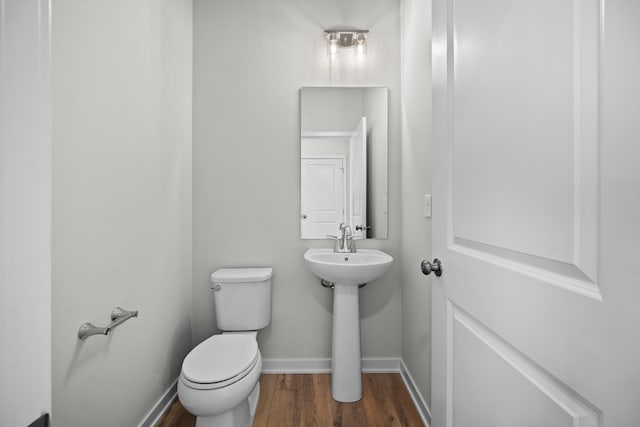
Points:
(345, 242)
(347, 237)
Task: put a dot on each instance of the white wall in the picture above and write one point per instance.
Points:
(25, 211)
(416, 182)
(250, 59)
(122, 73)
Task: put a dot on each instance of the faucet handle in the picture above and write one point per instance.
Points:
(336, 239)
(351, 244)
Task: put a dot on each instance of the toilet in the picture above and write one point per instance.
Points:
(219, 377)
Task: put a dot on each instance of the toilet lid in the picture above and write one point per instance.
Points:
(220, 358)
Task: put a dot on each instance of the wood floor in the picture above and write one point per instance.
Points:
(292, 400)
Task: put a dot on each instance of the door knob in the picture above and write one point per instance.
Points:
(428, 267)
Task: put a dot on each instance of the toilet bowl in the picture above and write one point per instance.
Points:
(217, 379)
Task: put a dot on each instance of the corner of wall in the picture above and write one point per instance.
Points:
(416, 182)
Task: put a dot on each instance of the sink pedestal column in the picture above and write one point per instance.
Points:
(346, 376)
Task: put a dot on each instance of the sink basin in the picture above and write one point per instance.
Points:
(347, 268)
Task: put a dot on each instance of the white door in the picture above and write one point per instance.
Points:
(536, 317)
(322, 197)
(358, 162)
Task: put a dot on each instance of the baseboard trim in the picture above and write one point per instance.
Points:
(162, 406)
(318, 366)
(296, 366)
(380, 365)
(418, 400)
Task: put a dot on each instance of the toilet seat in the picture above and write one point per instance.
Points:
(220, 361)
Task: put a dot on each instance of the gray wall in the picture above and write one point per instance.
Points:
(416, 182)
(122, 73)
(250, 60)
(25, 211)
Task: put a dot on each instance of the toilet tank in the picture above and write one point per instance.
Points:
(242, 298)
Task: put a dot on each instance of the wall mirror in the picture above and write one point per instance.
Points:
(343, 161)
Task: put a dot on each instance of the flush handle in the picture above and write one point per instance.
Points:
(429, 267)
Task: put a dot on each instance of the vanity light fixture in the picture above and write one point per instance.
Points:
(346, 39)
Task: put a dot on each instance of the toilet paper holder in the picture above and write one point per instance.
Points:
(118, 316)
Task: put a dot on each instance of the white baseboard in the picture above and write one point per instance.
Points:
(380, 365)
(161, 406)
(318, 366)
(296, 366)
(418, 400)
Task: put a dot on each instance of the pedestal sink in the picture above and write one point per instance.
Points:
(346, 271)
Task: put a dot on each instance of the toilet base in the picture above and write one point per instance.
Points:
(254, 397)
(240, 416)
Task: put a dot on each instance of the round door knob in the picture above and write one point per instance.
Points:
(429, 267)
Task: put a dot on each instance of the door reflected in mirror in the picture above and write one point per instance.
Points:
(343, 161)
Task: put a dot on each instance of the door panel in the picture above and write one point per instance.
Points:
(534, 318)
(498, 377)
(524, 144)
